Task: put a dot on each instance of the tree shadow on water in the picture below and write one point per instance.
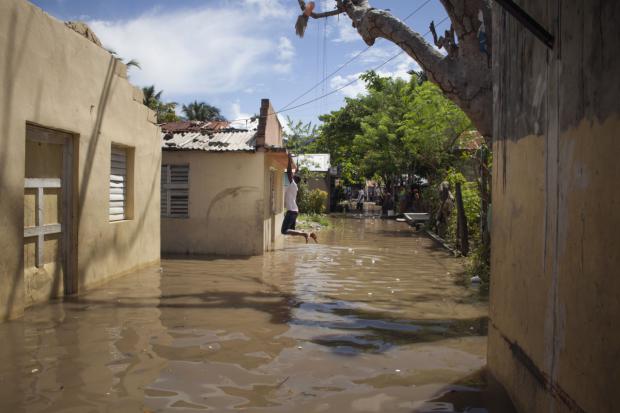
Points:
(362, 331)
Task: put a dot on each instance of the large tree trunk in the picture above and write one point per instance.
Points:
(464, 74)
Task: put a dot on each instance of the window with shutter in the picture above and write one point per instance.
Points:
(118, 184)
(175, 191)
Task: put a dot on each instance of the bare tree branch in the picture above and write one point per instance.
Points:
(463, 75)
(302, 20)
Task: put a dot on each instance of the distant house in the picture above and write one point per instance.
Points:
(221, 187)
(322, 176)
(79, 163)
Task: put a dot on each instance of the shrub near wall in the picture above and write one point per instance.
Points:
(311, 202)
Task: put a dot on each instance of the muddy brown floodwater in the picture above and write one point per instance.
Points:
(369, 320)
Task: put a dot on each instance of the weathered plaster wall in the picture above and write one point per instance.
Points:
(228, 204)
(53, 77)
(272, 217)
(555, 286)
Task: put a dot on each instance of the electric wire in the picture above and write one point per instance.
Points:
(356, 79)
(345, 64)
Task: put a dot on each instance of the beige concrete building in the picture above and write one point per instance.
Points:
(79, 163)
(222, 188)
(554, 340)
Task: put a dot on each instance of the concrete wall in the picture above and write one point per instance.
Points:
(228, 205)
(555, 286)
(53, 77)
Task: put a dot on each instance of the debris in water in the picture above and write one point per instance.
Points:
(392, 291)
(398, 279)
(35, 370)
(476, 280)
(299, 347)
(373, 260)
(350, 249)
(369, 293)
(397, 370)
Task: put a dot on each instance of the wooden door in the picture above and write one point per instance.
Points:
(48, 247)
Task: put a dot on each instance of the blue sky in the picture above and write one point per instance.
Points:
(232, 53)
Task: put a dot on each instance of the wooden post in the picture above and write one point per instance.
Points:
(485, 198)
(462, 235)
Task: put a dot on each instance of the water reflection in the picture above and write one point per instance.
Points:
(364, 321)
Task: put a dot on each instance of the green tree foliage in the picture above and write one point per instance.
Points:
(202, 111)
(300, 137)
(398, 127)
(165, 111)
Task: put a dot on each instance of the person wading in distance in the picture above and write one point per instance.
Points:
(290, 203)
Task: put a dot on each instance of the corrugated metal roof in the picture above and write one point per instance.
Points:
(195, 126)
(315, 162)
(229, 141)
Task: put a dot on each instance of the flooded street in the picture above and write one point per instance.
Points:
(369, 320)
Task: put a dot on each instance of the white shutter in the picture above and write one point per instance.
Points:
(175, 191)
(118, 184)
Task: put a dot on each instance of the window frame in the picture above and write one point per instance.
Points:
(168, 189)
(128, 182)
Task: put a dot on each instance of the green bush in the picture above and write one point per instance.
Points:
(471, 204)
(311, 202)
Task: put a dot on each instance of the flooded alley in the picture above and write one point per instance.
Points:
(368, 320)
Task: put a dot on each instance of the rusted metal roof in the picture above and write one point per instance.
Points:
(195, 126)
(227, 141)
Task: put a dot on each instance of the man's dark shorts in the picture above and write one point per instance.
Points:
(289, 221)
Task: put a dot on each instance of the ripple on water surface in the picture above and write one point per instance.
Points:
(370, 319)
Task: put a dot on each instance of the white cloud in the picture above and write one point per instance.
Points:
(351, 90)
(398, 68)
(265, 9)
(202, 50)
(286, 52)
(241, 119)
(345, 33)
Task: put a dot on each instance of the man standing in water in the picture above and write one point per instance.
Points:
(290, 203)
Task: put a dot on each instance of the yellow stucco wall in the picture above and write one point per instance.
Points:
(55, 78)
(228, 205)
(555, 267)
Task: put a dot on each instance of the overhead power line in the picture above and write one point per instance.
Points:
(345, 64)
(287, 109)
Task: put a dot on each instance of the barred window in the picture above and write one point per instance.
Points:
(175, 191)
